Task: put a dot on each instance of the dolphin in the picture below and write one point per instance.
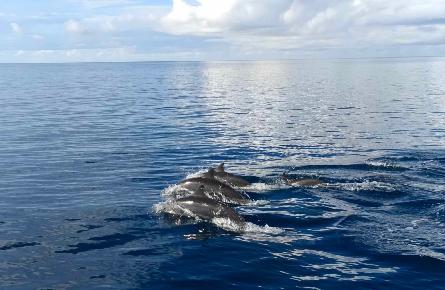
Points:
(207, 209)
(229, 178)
(213, 189)
(300, 181)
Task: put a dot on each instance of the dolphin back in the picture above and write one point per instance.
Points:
(231, 179)
(207, 209)
(213, 189)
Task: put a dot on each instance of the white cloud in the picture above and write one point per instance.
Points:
(223, 16)
(16, 28)
(133, 18)
(290, 24)
(73, 26)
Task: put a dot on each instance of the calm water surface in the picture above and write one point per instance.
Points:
(86, 149)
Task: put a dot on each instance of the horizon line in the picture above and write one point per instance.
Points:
(233, 60)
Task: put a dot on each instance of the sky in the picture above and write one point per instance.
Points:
(143, 30)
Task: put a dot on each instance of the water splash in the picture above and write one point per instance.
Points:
(363, 186)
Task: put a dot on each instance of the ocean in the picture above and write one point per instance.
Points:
(88, 149)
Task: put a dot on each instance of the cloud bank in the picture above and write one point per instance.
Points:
(293, 24)
(230, 29)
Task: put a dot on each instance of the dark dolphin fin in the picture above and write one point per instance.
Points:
(220, 168)
(210, 173)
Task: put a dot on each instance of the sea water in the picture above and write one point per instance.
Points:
(87, 150)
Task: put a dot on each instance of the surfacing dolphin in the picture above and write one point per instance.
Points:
(300, 181)
(208, 209)
(213, 189)
(229, 178)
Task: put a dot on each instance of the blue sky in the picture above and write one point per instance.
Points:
(134, 30)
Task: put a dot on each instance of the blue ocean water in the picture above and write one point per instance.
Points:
(87, 149)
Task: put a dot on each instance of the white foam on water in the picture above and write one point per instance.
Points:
(196, 174)
(175, 191)
(423, 251)
(384, 164)
(361, 186)
(170, 190)
(266, 229)
(228, 224)
(261, 187)
(297, 184)
(258, 202)
(256, 233)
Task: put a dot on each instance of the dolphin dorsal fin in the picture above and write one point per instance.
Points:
(210, 173)
(220, 168)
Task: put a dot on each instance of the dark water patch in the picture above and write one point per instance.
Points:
(419, 203)
(418, 262)
(383, 196)
(98, 277)
(143, 252)
(88, 228)
(360, 201)
(141, 179)
(102, 242)
(16, 245)
(346, 108)
(433, 173)
(72, 219)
